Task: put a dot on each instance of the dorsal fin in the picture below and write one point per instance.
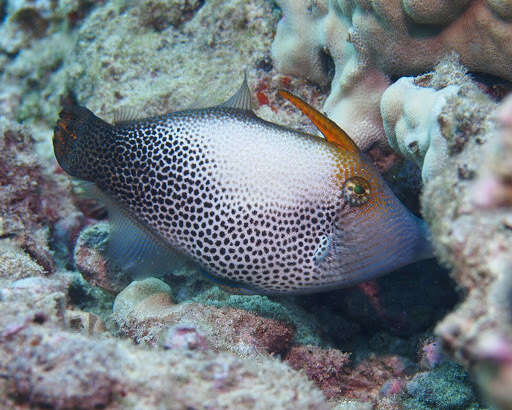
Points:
(331, 131)
(241, 99)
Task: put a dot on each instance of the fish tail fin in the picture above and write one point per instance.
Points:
(79, 139)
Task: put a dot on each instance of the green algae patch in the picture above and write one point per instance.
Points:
(446, 387)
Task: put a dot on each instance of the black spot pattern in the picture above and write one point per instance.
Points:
(217, 185)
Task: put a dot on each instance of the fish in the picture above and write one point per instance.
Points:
(261, 208)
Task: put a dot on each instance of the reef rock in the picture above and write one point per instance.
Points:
(29, 197)
(467, 202)
(145, 311)
(46, 364)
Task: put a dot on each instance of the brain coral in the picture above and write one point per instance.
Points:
(367, 42)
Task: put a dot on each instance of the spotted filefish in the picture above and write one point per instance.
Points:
(260, 207)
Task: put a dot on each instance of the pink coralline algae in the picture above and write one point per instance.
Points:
(326, 367)
(335, 374)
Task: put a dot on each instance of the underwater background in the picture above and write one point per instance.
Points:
(422, 88)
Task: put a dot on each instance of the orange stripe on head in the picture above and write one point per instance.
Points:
(331, 131)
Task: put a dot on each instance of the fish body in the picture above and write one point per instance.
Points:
(256, 205)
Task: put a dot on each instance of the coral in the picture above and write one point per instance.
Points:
(216, 352)
(145, 308)
(413, 129)
(367, 43)
(311, 42)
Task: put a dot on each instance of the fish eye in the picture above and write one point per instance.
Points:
(356, 191)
